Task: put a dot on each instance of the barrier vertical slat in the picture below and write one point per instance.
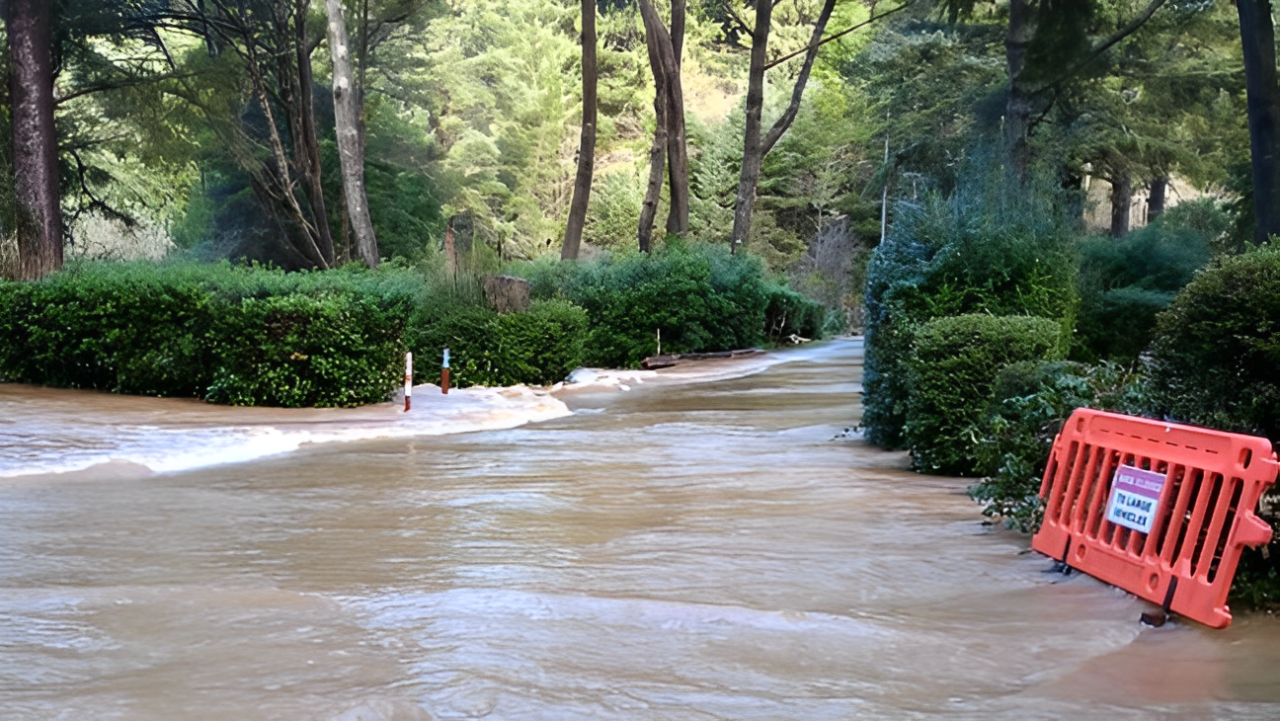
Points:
(1097, 514)
(1173, 482)
(1202, 514)
(1073, 485)
(1217, 519)
(1097, 461)
(1053, 508)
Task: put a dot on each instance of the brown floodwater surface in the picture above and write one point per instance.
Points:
(698, 544)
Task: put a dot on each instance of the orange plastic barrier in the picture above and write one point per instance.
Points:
(1161, 510)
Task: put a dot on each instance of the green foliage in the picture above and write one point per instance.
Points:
(1125, 281)
(241, 335)
(790, 313)
(1031, 400)
(988, 248)
(539, 346)
(337, 348)
(1217, 347)
(952, 369)
(698, 295)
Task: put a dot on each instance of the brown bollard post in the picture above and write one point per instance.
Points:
(444, 374)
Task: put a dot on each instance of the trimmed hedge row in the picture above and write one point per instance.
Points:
(540, 346)
(701, 298)
(258, 336)
(240, 335)
(953, 367)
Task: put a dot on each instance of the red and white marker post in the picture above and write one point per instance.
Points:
(444, 373)
(408, 380)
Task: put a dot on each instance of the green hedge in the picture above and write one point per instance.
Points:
(242, 335)
(698, 295)
(952, 368)
(982, 250)
(1216, 355)
(540, 346)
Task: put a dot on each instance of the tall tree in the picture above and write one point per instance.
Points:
(669, 146)
(1257, 36)
(347, 112)
(35, 140)
(755, 145)
(587, 142)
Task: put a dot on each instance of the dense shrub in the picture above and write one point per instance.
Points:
(790, 313)
(953, 365)
(698, 295)
(987, 249)
(243, 335)
(1216, 355)
(1030, 401)
(539, 346)
(1125, 282)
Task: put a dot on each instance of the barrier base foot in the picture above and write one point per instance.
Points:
(1059, 567)
(1154, 619)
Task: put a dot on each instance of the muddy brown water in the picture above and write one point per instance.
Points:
(718, 549)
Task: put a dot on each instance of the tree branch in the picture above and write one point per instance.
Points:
(1105, 45)
(840, 34)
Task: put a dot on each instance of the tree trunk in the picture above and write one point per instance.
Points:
(587, 141)
(1156, 193)
(308, 150)
(1019, 103)
(35, 139)
(754, 146)
(752, 158)
(1257, 36)
(658, 152)
(1121, 202)
(664, 63)
(677, 142)
(347, 112)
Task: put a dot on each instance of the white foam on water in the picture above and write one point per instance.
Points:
(35, 440)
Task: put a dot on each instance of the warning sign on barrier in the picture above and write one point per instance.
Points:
(1135, 498)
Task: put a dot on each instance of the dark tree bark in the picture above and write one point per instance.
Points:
(308, 144)
(1121, 202)
(658, 151)
(587, 140)
(666, 74)
(35, 139)
(754, 146)
(347, 112)
(1020, 100)
(1257, 36)
(677, 141)
(1156, 194)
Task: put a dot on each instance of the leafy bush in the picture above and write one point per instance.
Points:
(953, 366)
(243, 335)
(1217, 347)
(540, 346)
(790, 313)
(1214, 363)
(988, 248)
(698, 295)
(1030, 402)
(1125, 281)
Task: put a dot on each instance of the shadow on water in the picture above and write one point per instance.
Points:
(680, 550)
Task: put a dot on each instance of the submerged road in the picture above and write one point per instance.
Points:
(684, 550)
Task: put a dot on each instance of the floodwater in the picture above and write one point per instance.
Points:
(714, 548)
